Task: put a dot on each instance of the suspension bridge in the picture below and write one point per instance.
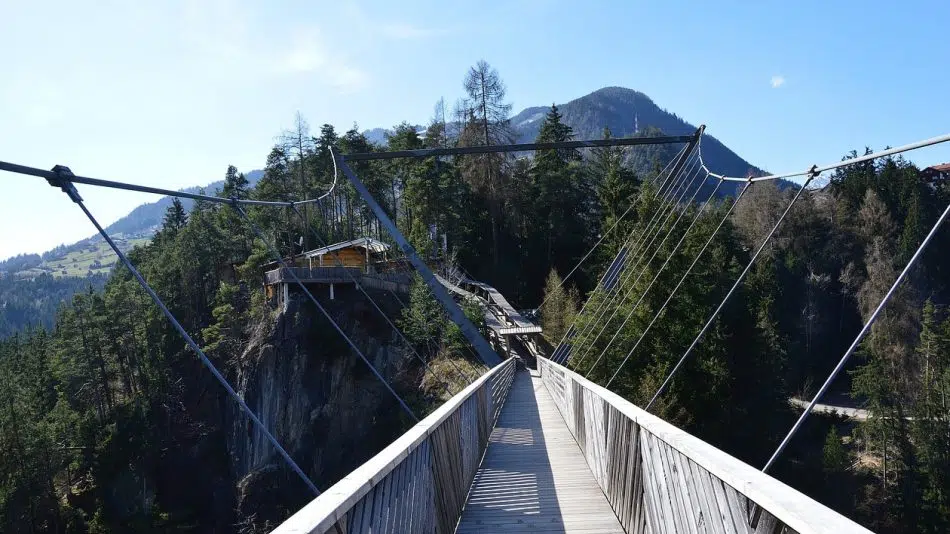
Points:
(531, 445)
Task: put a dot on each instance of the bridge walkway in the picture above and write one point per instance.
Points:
(534, 478)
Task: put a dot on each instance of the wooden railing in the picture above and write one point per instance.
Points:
(316, 274)
(659, 479)
(420, 482)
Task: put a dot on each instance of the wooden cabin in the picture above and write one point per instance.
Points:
(361, 253)
(340, 263)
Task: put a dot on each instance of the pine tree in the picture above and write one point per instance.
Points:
(484, 115)
(559, 308)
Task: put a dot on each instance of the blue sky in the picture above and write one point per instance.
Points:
(170, 92)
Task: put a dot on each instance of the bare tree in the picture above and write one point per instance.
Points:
(484, 120)
(299, 144)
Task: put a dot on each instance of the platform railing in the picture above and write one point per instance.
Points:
(659, 478)
(313, 274)
(420, 482)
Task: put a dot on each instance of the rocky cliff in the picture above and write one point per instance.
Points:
(319, 399)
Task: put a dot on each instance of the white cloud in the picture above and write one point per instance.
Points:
(403, 31)
(311, 56)
(777, 81)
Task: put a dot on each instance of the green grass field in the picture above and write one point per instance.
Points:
(96, 258)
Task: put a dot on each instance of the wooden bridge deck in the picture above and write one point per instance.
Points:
(534, 477)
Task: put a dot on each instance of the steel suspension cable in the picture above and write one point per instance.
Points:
(359, 286)
(859, 338)
(649, 237)
(280, 260)
(562, 351)
(631, 288)
(656, 277)
(372, 301)
(683, 278)
(61, 177)
(712, 318)
(609, 230)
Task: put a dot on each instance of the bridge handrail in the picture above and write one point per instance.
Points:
(615, 434)
(418, 483)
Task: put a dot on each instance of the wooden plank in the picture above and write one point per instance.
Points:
(534, 477)
(712, 520)
(687, 496)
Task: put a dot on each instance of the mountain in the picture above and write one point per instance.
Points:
(627, 113)
(147, 217)
(92, 256)
(618, 108)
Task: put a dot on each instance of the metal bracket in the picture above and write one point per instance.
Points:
(63, 179)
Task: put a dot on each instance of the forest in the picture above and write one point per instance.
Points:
(112, 425)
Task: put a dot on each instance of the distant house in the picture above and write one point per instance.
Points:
(937, 174)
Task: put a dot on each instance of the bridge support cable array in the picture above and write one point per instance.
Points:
(686, 274)
(622, 289)
(563, 349)
(859, 338)
(725, 299)
(62, 179)
(656, 277)
(677, 210)
(260, 234)
(629, 252)
(609, 231)
(321, 242)
(471, 333)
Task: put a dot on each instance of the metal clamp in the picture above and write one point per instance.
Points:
(64, 180)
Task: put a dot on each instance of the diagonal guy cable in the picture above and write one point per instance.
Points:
(811, 176)
(61, 179)
(659, 272)
(237, 207)
(372, 301)
(609, 230)
(562, 351)
(622, 288)
(631, 248)
(683, 278)
(641, 266)
(860, 337)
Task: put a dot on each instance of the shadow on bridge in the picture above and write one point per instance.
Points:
(533, 477)
(514, 487)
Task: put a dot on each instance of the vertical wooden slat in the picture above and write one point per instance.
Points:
(652, 492)
(684, 496)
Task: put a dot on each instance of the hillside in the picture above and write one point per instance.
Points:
(92, 256)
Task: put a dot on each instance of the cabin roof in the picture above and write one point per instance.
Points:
(364, 242)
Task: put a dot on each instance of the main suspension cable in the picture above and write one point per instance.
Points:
(61, 177)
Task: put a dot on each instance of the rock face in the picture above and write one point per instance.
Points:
(318, 398)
